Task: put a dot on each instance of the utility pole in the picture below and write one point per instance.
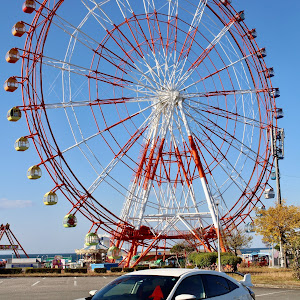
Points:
(276, 151)
(218, 234)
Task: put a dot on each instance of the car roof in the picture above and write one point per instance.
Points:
(175, 272)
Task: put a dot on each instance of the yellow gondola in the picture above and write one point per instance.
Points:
(50, 198)
(14, 114)
(34, 172)
(22, 144)
(91, 239)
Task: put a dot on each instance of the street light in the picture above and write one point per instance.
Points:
(217, 202)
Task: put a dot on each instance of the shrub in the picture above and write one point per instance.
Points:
(115, 269)
(230, 260)
(138, 268)
(128, 270)
(11, 271)
(100, 270)
(42, 270)
(155, 267)
(206, 259)
(79, 270)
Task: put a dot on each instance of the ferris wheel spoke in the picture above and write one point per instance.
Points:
(94, 74)
(172, 9)
(191, 34)
(241, 147)
(228, 168)
(232, 64)
(183, 78)
(124, 6)
(152, 116)
(225, 93)
(218, 111)
(88, 103)
(118, 157)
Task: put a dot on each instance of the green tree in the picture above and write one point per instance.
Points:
(279, 224)
(238, 239)
(182, 249)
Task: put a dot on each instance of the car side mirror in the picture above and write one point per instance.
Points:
(93, 292)
(185, 297)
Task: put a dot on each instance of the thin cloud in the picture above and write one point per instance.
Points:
(12, 204)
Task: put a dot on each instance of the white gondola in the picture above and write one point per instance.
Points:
(269, 193)
(260, 211)
(249, 227)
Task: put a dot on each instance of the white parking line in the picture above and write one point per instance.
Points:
(35, 283)
(75, 283)
(1, 282)
(270, 294)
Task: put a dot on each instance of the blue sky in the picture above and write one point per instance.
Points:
(39, 228)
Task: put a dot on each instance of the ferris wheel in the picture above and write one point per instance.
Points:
(153, 118)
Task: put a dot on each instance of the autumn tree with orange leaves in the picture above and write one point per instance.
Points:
(280, 223)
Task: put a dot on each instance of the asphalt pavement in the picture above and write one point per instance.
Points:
(70, 288)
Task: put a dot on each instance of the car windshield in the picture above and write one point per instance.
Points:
(138, 287)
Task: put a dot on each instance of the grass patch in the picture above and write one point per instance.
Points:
(270, 276)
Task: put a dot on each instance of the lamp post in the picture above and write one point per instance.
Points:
(218, 235)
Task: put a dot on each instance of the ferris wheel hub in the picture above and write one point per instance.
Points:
(169, 97)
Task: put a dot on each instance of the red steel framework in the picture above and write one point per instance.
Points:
(168, 159)
(14, 244)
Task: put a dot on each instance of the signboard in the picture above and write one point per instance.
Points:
(9, 247)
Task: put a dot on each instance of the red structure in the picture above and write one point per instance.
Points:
(167, 106)
(14, 244)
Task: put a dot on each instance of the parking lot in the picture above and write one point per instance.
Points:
(69, 288)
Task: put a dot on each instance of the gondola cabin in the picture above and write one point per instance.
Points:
(22, 144)
(269, 193)
(226, 2)
(12, 56)
(91, 239)
(113, 252)
(28, 6)
(260, 211)
(50, 198)
(34, 172)
(261, 53)
(240, 16)
(279, 153)
(249, 227)
(270, 72)
(69, 221)
(252, 34)
(11, 84)
(274, 93)
(18, 29)
(273, 175)
(14, 114)
(279, 113)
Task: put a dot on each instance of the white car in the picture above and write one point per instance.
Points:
(175, 284)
